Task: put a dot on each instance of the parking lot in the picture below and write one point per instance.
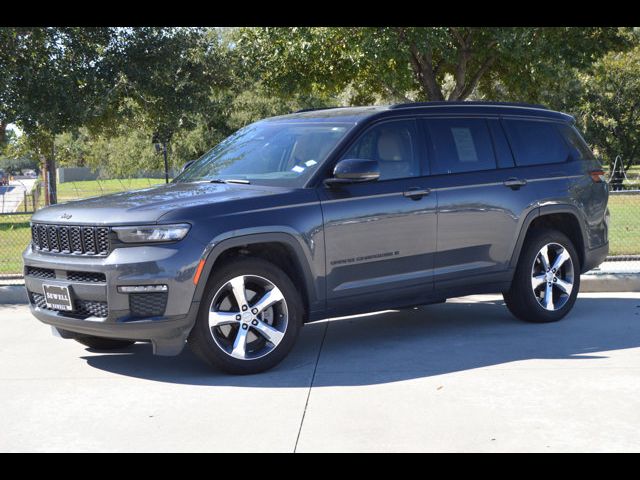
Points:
(460, 376)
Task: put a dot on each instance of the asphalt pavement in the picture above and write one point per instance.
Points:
(464, 376)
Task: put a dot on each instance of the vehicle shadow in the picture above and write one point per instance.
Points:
(400, 345)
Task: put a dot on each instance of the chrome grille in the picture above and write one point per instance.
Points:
(70, 239)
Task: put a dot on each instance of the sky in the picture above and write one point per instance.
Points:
(15, 128)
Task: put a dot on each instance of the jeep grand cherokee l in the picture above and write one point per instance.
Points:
(326, 213)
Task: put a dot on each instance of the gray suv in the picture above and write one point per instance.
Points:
(327, 213)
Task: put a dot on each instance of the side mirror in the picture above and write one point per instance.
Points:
(354, 170)
(186, 165)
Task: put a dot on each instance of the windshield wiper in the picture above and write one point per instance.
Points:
(230, 180)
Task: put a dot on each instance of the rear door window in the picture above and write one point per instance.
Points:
(460, 145)
(535, 142)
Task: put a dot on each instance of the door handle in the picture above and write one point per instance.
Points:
(515, 183)
(417, 193)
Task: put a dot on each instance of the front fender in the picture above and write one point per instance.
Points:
(314, 281)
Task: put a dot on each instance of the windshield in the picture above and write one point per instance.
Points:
(268, 153)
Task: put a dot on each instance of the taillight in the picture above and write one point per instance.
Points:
(597, 176)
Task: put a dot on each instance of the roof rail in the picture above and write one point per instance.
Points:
(457, 103)
(314, 109)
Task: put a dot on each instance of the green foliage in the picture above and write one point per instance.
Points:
(127, 149)
(609, 105)
(396, 63)
(15, 165)
(51, 76)
(96, 96)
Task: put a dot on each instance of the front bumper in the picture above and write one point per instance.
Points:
(101, 310)
(167, 335)
(594, 257)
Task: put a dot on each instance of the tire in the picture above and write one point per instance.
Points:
(220, 343)
(102, 343)
(530, 304)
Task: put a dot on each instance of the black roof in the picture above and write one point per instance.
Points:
(355, 114)
(469, 102)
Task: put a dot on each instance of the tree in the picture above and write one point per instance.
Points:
(167, 77)
(54, 82)
(400, 64)
(59, 79)
(609, 109)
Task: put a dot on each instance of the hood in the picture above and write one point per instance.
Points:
(149, 204)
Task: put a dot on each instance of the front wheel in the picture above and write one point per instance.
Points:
(249, 318)
(547, 278)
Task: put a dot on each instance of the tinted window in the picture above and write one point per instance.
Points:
(580, 148)
(392, 145)
(535, 143)
(501, 147)
(460, 145)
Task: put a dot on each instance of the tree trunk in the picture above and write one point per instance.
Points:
(422, 66)
(49, 177)
(3, 133)
(45, 180)
(53, 190)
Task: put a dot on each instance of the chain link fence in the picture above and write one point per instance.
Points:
(24, 195)
(624, 228)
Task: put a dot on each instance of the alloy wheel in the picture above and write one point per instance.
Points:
(248, 317)
(552, 276)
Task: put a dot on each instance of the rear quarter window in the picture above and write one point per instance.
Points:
(535, 142)
(580, 149)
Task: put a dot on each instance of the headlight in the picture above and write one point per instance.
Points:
(152, 233)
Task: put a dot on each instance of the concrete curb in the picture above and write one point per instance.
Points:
(610, 282)
(593, 283)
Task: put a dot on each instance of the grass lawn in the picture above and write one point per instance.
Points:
(624, 233)
(15, 234)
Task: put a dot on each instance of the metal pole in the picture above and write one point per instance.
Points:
(166, 165)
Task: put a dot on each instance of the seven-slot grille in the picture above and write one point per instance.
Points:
(70, 239)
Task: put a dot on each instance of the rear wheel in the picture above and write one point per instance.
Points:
(249, 317)
(547, 278)
(101, 343)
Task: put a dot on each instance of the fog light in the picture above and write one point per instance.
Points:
(142, 288)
